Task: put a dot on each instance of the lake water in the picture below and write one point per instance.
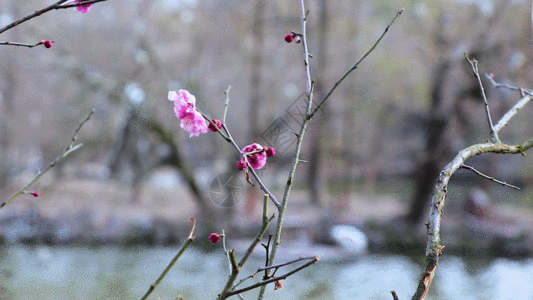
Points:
(126, 273)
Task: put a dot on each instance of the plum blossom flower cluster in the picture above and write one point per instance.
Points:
(185, 109)
(194, 122)
(256, 156)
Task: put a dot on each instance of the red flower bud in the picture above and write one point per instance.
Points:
(35, 194)
(47, 43)
(270, 151)
(214, 238)
(241, 165)
(212, 128)
(289, 38)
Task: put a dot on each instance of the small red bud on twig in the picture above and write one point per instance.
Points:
(289, 37)
(214, 238)
(47, 43)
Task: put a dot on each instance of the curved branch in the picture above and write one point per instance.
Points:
(434, 248)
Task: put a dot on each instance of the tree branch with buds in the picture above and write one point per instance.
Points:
(434, 247)
(72, 146)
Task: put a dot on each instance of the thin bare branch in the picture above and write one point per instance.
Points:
(172, 262)
(20, 44)
(234, 270)
(498, 85)
(69, 149)
(226, 105)
(488, 177)
(57, 5)
(493, 133)
(274, 279)
(79, 4)
(305, 48)
(356, 64)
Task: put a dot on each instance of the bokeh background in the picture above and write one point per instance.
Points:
(371, 155)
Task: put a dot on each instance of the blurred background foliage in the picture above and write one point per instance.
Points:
(400, 117)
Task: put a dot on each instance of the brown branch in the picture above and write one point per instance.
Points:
(20, 44)
(498, 85)
(434, 248)
(356, 63)
(79, 4)
(69, 149)
(172, 262)
(488, 177)
(473, 64)
(236, 267)
(273, 279)
(54, 6)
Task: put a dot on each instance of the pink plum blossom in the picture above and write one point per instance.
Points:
(241, 164)
(83, 8)
(256, 160)
(185, 110)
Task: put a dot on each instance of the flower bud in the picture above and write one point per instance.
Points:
(35, 194)
(289, 38)
(217, 123)
(214, 238)
(270, 151)
(241, 165)
(47, 43)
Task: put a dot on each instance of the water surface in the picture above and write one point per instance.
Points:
(119, 273)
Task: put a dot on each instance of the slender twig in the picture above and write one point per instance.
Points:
(394, 296)
(54, 6)
(493, 133)
(284, 264)
(356, 64)
(259, 270)
(172, 262)
(225, 249)
(210, 121)
(509, 114)
(69, 149)
(79, 4)
(267, 247)
(271, 280)
(488, 177)
(261, 184)
(498, 85)
(305, 48)
(20, 44)
(259, 236)
(296, 159)
(227, 136)
(234, 270)
(303, 129)
(226, 105)
(526, 95)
